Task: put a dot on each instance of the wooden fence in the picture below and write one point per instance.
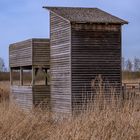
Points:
(131, 90)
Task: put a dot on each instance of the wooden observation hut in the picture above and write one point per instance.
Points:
(84, 43)
(29, 63)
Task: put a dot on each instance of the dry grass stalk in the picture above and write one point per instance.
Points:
(109, 123)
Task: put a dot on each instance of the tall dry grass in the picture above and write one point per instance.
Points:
(107, 124)
(4, 90)
(110, 123)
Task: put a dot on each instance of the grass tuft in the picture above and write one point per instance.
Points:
(108, 123)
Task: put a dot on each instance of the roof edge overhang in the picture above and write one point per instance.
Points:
(105, 23)
(119, 23)
(48, 8)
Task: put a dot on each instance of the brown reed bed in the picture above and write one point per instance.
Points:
(109, 123)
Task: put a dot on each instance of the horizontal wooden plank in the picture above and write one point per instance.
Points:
(60, 65)
(30, 52)
(96, 49)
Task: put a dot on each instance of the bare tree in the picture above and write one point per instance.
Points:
(123, 63)
(129, 65)
(136, 64)
(2, 65)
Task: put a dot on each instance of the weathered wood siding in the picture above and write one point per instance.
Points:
(96, 49)
(22, 96)
(41, 96)
(60, 57)
(32, 52)
(20, 54)
(28, 97)
(41, 52)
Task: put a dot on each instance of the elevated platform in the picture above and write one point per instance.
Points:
(31, 52)
(29, 62)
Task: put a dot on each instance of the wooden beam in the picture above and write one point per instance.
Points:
(46, 78)
(21, 76)
(36, 71)
(11, 76)
(33, 76)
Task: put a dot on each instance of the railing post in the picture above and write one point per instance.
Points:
(139, 87)
(33, 76)
(123, 92)
(21, 76)
(46, 78)
(11, 76)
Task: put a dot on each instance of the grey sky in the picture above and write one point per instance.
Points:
(23, 19)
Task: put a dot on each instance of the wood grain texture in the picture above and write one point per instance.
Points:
(20, 54)
(27, 97)
(22, 96)
(41, 96)
(41, 52)
(86, 15)
(32, 52)
(60, 56)
(96, 50)
(79, 53)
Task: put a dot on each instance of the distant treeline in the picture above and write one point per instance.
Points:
(4, 76)
(131, 64)
(27, 76)
(130, 75)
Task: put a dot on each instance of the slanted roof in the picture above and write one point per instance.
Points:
(83, 15)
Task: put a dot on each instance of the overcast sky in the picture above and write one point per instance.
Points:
(23, 19)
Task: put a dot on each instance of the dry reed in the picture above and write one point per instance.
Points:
(109, 123)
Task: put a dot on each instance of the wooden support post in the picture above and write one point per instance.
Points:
(46, 78)
(36, 71)
(21, 76)
(11, 76)
(33, 76)
(139, 87)
(125, 92)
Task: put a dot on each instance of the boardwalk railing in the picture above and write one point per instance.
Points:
(131, 90)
